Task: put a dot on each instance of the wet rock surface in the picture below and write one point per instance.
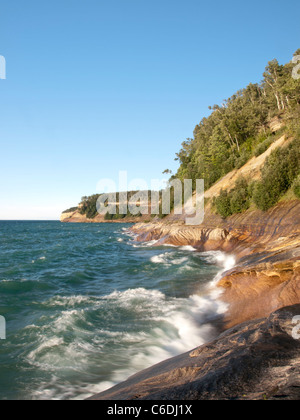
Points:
(256, 360)
(267, 251)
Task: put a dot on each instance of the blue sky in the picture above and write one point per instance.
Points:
(94, 87)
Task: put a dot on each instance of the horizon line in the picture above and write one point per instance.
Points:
(29, 220)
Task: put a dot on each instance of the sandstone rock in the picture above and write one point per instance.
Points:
(256, 360)
(267, 250)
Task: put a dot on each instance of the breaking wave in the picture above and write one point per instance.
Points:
(99, 309)
(157, 327)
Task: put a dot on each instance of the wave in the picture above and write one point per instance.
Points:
(225, 261)
(143, 244)
(187, 248)
(67, 301)
(89, 336)
(168, 259)
(39, 259)
(157, 328)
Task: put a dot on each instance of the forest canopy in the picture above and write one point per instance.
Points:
(238, 129)
(235, 131)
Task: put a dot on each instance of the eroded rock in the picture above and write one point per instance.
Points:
(256, 360)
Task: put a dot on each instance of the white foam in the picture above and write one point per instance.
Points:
(168, 259)
(158, 259)
(48, 344)
(149, 244)
(187, 248)
(179, 261)
(175, 326)
(39, 259)
(129, 296)
(228, 261)
(225, 261)
(68, 301)
(178, 326)
(183, 329)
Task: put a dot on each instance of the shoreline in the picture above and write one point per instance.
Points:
(258, 360)
(267, 251)
(209, 320)
(262, 291)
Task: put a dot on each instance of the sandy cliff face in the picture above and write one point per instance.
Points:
(66, 217)
(76, 217)
(250, 170)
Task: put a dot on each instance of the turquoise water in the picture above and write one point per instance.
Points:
(86, 306)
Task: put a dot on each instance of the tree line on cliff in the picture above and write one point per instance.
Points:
(279, 175)
(235, 131)
(239, 129)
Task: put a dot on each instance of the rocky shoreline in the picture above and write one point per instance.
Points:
(256, 360)
(256, 357)
(267, 251)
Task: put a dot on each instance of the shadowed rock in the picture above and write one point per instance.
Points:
(257, 360)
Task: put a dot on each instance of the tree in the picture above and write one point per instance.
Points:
(272, 78)
(222, 204)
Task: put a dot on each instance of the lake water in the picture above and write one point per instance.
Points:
(86, 306)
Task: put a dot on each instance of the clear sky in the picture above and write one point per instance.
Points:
(94, 87)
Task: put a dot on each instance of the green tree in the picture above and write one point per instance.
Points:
(278, 175)
(239, 197)
(223, 205)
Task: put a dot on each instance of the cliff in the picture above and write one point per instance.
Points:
(251, 170)
(266, 246)
(257, 357)
(77, 217)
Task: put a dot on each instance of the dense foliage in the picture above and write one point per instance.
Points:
(234, 132)
(88, 206)
(71, 210)
(235, 201)
(296, 187)
(238, 129)
(280, 173)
